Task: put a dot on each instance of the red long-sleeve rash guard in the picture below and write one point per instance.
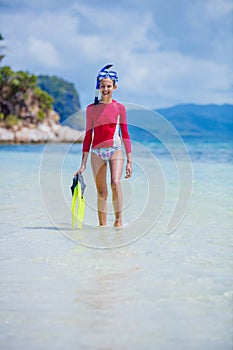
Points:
(104, 122)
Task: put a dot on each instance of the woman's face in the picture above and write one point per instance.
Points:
(106, 88)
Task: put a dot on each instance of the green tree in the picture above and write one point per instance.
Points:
(19, 90)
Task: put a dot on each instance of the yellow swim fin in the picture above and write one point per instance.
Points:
(81, 208)
(77, 190)
(73, 207)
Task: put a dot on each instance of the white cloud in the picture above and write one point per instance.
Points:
(207, 11)
(217, 9)
(75, 41)
(42, 52)
(170, 77)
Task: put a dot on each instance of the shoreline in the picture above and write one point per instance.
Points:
(42, 133)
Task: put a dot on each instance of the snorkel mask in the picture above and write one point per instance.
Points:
(103, 74)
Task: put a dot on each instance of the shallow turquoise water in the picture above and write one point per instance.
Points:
(136, 288)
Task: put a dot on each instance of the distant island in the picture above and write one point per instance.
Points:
(65, 97)
(29, 114)
(201, 121)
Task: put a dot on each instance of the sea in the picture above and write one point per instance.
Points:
(164, 281)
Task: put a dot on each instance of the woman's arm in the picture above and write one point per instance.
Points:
(83, 164)
(126, 141)
(124, 130)
(86, 142)
(128, 165)
(88, 134)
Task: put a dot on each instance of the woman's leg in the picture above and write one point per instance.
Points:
(116, 166)
(99, 168)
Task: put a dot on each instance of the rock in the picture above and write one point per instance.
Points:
(27, 135)
(67, 134)
(6, 135)
(41, 133)
(44, 128)
(53, 117)
(15, 128)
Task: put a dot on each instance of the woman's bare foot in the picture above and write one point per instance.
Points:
(118, 223)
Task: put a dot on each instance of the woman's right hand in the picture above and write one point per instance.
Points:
(80, 170)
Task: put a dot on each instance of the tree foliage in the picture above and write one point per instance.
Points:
(21, 97)
(66, 98)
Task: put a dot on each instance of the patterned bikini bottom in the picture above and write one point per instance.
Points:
(105, 153)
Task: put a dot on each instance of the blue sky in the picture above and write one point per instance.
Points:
(166, 52)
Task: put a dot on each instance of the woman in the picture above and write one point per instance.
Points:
(106, 128)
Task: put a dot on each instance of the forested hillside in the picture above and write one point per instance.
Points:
(65, 98)
(27, 113)
(21, 100)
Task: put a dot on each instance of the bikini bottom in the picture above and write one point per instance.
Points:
(105, 153)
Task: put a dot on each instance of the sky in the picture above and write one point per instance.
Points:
(166, 52)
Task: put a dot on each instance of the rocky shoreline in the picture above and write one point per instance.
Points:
(41, 133)
(26, 111)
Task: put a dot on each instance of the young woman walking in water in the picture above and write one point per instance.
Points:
(106, 130)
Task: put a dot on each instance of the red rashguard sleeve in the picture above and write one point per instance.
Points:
(124, 130)
(88, 135)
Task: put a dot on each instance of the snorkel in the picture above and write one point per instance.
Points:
(103, 73)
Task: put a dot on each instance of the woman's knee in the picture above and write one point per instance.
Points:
(103, 194)
(115, 185)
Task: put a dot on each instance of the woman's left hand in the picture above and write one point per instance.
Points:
(128, 170)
